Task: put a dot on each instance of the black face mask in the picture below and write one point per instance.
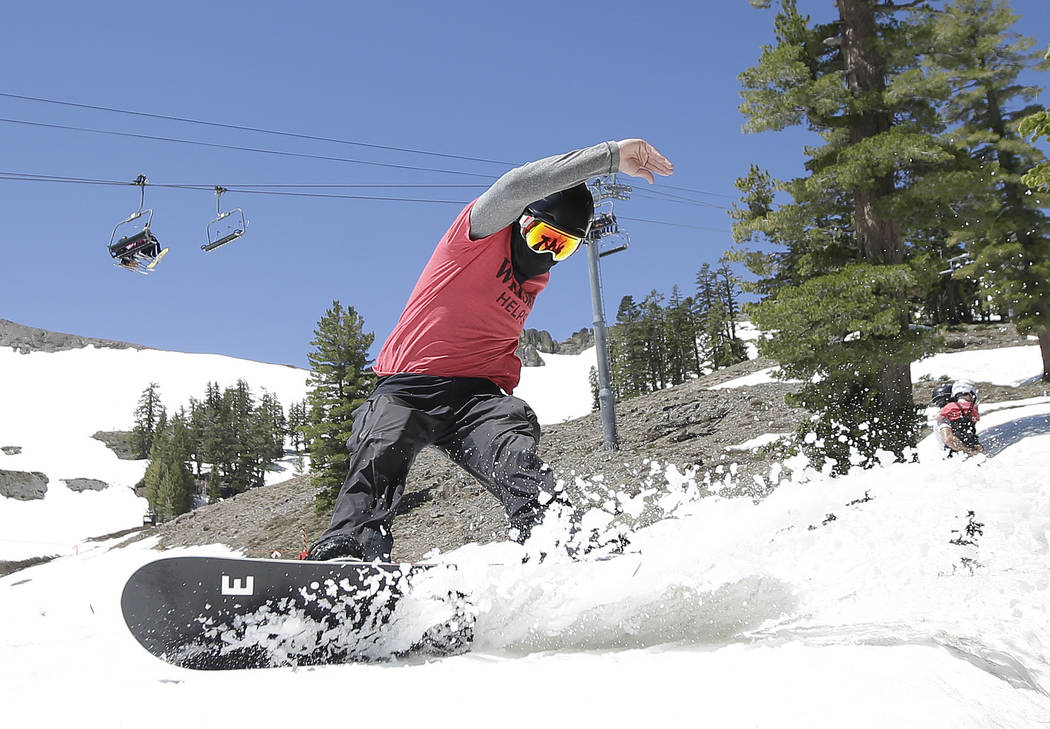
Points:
(526, 262)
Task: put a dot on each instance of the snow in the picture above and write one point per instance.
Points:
(1009, 366)
(762, 440)
(560, 390)
(769, 374)
(54, 402)
(727, 612)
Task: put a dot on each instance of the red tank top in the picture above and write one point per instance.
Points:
(466, 313)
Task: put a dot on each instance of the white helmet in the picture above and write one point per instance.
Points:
(964, 388)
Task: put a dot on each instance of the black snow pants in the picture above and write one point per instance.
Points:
(491, 435)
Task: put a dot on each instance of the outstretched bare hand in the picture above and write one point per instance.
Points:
(640, 159)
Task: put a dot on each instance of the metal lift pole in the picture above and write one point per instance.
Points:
(606, 400)
(605, 189)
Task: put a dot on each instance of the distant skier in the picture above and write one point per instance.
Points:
(957, 421)
(447, 371)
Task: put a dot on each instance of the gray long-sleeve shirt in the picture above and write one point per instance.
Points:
(503, 203)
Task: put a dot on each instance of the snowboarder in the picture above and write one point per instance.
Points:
(957, 421)
(447, 372)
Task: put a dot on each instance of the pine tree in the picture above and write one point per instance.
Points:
(595, 383)
(169, 481)
(628, 351)
(680, 337)
(856, 82)
(243, 438)
(1034, 127)
(339, 383)
(714, 322)
(981, 59)
(296, 422)
(215, 448)
(655, 340)
(149, 412)
(275, 424)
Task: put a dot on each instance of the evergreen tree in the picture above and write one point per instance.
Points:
(275, 426)
(244, 438)
(628, 351)
(655, 331)
(680, 336)
(340, 381)
(980, 60)
(195, 425)
(596, 389)
(856, 82)
(169, 482)
(296, 422)
(1034, 127)
(716, 309)
(215, 447)
(149, 412)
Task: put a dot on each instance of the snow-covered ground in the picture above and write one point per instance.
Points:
(560, 390)
(1010, 366)
(729, 613)
(52, 403)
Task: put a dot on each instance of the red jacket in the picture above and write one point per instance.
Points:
(955, 411)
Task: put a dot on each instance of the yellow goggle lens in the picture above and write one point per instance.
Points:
(545, 238)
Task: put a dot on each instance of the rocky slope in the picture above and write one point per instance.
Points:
(30, 339)
(689, 426)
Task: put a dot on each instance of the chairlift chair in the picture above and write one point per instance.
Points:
(133, 245)
(954, 264)
(227, 227)
(605, 230)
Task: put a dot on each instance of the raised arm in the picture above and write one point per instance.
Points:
(501, 204)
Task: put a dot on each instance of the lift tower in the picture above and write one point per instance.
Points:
(604, 239)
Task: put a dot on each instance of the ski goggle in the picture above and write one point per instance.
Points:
(545, 238)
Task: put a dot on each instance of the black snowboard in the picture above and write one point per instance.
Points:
(222, 613)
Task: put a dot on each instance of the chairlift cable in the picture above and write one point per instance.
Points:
(254, 190)
(259, 130)
(677, 198)
(298, 135)
(675, 225)
(654, 192)
(211, 189)
(239, 148)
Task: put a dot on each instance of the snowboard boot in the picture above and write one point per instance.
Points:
(337, 546)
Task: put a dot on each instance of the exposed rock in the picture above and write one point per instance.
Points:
(120, 442)
(11, 450)
(531, 343)
(579, 341)
(25, 339)
(536, 341)
(23, 485)
(85, 484)
(10, 567)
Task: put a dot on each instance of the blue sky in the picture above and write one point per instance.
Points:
(496, 81)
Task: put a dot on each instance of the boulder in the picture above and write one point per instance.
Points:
(23, 485)
(85, 484)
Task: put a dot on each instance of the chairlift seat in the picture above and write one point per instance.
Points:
(220, 233)
(135, 244)
(228, 238)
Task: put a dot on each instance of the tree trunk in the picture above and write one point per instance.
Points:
(1044, 347)
(878, 238)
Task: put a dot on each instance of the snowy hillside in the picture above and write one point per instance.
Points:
(913, 595)
(843, 603)
(53, 402)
